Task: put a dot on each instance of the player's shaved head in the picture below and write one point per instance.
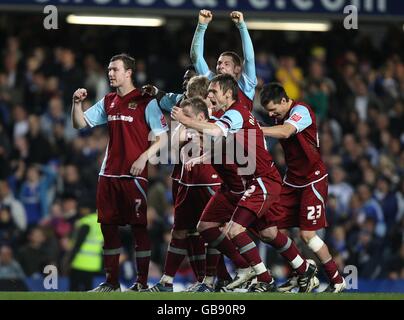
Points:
(197, 106)
(273, 92)
(128, 63)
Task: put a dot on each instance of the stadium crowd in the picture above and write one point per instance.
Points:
(49, 171)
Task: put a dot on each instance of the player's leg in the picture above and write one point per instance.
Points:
(286, 248)
(312, 218)
(108, 216)
(196, 201)
(222, 274)
(176, 253)
(197, 254)
(135, 205)
(217, 212)
(111, 251)
(268, 230)
(317, 245)
(242, 218)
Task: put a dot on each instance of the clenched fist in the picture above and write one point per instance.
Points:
(79, 95)
(237, 17)
(205, 16)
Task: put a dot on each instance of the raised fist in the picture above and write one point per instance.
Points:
(205, 16)
(79, 95)
(237, 17)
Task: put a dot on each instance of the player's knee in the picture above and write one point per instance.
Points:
(234, 229)
(312, 240)
(179, 234)
(202, 226)
(268, 234)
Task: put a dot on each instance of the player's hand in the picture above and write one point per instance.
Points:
(79, 95)
(139, 165)
(237, 17)
(149, 89)
(205, 16)
(192, 162)
(178, 115)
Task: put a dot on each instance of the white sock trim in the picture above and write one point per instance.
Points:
(166, 279)
(297, 262)
(260, 268)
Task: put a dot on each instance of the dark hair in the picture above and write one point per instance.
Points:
(272, 92)
(236, 58)
(190, 67)
(128, 63)
(197, 105)
(227, 82)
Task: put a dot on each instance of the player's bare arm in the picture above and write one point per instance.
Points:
(140, 163)
(283, 131)
(178, 137)
(202, 127)
(77, 115)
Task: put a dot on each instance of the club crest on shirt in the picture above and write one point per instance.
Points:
(163, 121)
(296, 117)
(132, 105)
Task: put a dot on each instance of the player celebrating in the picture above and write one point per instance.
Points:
(214, 265)
(229, 62)
(196, 187)
(257, 206)
(305, 186)
(122, 185)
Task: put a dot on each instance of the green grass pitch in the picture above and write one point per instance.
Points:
(195, 296)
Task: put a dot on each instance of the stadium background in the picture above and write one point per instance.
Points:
(353, 78)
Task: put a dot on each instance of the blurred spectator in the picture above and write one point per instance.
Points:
(71, 76)
(20, 121)
(395, 266)
(340, 189)
(366, 250)
(319, 89)
(96, 78)
(387, 199)
(16, 208)
(9, 233)
(39, 146)
(34, 256)
(35, 193)
(12, 277)
(85, 257)
(290, 76)
(371, 210)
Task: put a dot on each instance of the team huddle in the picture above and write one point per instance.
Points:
(224, 198)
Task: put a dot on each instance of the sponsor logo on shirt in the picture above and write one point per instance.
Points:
(132, 105)
(112, 105)
(296, 117)
(120, 118)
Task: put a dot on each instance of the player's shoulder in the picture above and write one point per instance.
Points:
(143, 101)
(110, 96)
(301, 105)
(241, 109)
